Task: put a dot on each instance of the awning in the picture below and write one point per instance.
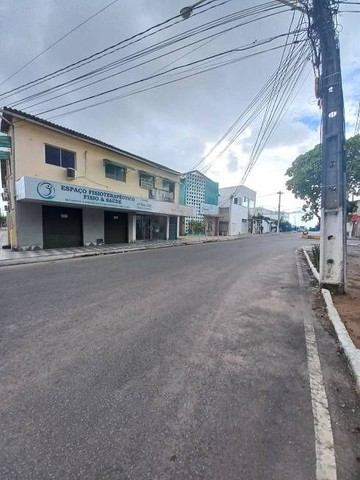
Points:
(4, 155)
(5, 141)
(117, 164)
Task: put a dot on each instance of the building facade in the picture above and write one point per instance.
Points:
(202, 194)
(235, 204)
(65, 189)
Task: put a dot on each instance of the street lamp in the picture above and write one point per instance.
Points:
(187, 11)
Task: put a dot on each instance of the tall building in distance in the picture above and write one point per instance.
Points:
(201, 193)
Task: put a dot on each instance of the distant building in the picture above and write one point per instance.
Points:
(265, 220)
(235, 204)
(66, 189)
(201, 193)
(354, 224)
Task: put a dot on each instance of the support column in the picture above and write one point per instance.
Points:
(132, 227)
(167, 227)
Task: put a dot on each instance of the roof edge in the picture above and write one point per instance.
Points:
(8, 114)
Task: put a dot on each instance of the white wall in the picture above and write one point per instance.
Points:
(29, 225)
(236, 224)
(241, 191)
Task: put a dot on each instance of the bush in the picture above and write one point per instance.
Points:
(195, 226)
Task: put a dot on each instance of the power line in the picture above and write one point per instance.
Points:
(111, 90)
(109, 50)
(261, 99)
(148, 50)
(123, 61)
(210, 68)
(58, 41)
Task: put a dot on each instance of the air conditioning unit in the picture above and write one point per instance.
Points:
(5, 196)
(70, 173)
(6, 208)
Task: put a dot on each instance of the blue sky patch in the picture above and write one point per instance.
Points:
(311, 121)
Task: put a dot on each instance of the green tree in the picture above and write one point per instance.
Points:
(285, 226)
(305, 176)
(352, 151)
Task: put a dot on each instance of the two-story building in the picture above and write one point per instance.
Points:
(235, 204)
(66, 189)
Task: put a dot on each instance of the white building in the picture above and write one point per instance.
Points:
(235, 204)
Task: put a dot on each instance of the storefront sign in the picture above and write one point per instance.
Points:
(146, 181)
(161, 195)
(45, 191)
(207, 209)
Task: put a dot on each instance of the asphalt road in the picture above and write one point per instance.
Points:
(181, 363)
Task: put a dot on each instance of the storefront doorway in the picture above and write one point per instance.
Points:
(150, 227)
(115, 227)
(173, 228)
(62, 227)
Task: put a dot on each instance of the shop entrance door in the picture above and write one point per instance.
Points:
(62, 227)
(173, 228)
(115, 227)
(143, 227)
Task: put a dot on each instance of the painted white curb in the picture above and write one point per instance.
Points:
(352, 353)
(313, 269)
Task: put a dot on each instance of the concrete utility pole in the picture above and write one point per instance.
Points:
(333, 204)
(279, 206)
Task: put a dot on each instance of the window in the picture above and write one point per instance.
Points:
(168, 185)
(59, 157)
(115, 172)
(146, 180)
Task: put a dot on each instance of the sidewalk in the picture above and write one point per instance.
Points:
(9, 257)
(343, 310)
(348, 305)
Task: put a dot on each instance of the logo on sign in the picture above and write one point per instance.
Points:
(46, 190)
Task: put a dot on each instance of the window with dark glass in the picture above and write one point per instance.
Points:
(115, 172)
(59, 157)
(168, 185)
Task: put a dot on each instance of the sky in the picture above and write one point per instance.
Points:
(176, 124)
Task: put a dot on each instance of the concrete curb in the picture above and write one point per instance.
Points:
(351, 352)
(69, 256)
(313, 269)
